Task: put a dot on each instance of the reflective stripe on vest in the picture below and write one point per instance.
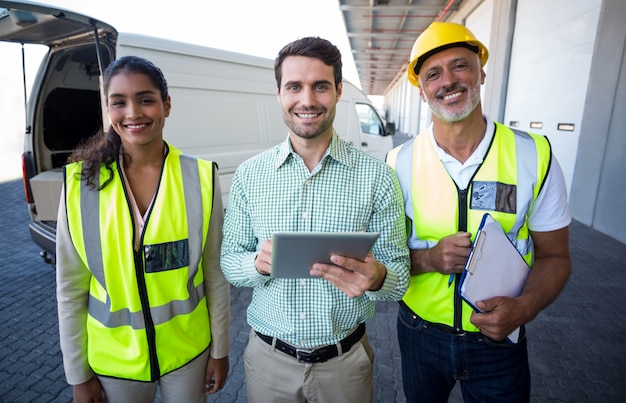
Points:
(147, 312)
(515, 166)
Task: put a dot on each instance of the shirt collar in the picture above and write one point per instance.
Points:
(479, 152)
(337, 150)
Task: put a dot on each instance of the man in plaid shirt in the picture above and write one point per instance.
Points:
(308, 340)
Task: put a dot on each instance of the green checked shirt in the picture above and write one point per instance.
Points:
(347, 191)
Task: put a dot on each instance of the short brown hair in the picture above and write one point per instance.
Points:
(310, 47)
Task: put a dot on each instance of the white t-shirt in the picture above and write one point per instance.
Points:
(550, 211)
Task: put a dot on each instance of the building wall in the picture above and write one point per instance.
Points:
(550, 63)
(598, 194)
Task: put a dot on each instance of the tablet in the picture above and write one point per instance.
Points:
(293, 253)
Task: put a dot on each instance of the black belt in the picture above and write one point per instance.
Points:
(321, 354)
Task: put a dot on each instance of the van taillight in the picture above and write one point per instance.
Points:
(28, 171)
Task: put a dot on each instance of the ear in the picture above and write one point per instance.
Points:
(483, 75)
(168, 106)
(422, 96)
(339, 91)
(278, 95)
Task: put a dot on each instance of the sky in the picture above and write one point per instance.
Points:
(259, 28)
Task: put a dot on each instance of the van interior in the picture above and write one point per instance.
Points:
(71, 105)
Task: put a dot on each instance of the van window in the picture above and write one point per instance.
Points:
(369, 120)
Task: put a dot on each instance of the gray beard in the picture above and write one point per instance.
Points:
(444, 115)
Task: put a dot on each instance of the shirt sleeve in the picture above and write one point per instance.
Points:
(391, 248)
(73, 279)
(240, 246)
(217, 289)
(550, 210)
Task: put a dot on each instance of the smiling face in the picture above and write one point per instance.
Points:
(308, 97)
(136, 109)
(450, 82)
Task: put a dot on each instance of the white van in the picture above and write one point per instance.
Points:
(224, 106)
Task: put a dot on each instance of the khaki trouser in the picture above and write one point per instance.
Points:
(273, 376)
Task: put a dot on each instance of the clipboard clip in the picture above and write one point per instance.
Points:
(477, 252)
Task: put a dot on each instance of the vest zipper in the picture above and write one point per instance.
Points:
(155, 371)
(140, 269)
(458, 303)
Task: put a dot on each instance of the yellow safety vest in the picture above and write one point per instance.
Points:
(505, 185)
(147, 312)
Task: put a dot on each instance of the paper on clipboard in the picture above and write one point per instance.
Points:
(494, 268)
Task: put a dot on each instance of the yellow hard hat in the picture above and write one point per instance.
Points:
(441, 36)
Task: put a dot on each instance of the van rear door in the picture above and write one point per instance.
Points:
(64, 105)
(34, 23)
(26, 22)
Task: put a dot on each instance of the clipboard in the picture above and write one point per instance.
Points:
(293, 253)
(494, 268)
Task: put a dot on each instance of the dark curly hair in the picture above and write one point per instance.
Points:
(310, 47)
(103, 148)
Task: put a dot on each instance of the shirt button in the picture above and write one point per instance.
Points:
(302, 282)
(303, 316)
(305, 215)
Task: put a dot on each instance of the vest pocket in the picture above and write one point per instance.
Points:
(494, 196)
(166, 256)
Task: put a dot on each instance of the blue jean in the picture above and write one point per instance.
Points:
(433, 360)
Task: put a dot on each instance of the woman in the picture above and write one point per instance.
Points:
(142, 299)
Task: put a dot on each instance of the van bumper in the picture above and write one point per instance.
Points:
(44, 234)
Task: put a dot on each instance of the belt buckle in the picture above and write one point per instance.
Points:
(305, 356)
